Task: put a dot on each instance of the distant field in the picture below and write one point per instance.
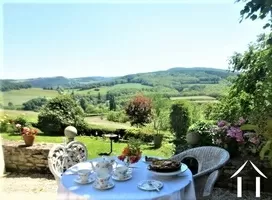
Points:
(103, 90)
(104, 122)
(96, 120)
(29, 115)
(18, 97)
(194, 98)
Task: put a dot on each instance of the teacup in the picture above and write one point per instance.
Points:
(121, 172)
(103, 179)
(84, 175)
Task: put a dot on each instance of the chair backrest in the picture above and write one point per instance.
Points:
(61, 157)
(210, 159)
(206, 156)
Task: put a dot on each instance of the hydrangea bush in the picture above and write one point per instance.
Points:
(234, 138)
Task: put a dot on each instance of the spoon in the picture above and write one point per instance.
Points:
(153, 186)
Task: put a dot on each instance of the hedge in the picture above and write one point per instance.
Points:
(122, 133)
(125, 134)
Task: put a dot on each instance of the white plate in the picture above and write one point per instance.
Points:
(145, 185)
(183, 168)
(109, 186)
(127, 177)
(90, 180)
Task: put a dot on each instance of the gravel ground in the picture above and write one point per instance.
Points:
(39, 186)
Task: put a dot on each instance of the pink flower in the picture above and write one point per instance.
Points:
(237, 133)
(254, 140)
(241, 121)
(221, 123)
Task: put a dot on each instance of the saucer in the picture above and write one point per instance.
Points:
(109, 186)
(150, 185)
(127, 177)
(90, 180)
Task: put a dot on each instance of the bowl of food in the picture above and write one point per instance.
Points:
(167, 167)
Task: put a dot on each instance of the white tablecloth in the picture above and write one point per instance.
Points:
(175, 188)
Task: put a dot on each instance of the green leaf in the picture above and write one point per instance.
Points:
(253, 17)
(266, 148)
(266, 25)
(249, 127)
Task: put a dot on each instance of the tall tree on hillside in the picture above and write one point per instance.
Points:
(108, 95)
(112, 103)
(83, 103)
(98, 98)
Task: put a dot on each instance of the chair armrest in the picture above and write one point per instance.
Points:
(210, 183)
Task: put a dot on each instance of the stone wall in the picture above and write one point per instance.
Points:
(20, 158)
(248, 174)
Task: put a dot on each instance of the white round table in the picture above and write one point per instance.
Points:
(179, 187)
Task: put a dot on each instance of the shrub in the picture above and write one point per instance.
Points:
(139, 134)
(5, 124)
(117, 116)
(204, 131)
(21, 120)
(139, 110)
(208, 110)
(180, 119)
(59, 113)
(237, 138)
(34, 104)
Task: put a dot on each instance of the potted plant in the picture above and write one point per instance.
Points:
(158, 137)
(28, 134)
(131, 153)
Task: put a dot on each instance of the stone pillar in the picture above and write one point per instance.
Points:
(2, 160)
(70, 133)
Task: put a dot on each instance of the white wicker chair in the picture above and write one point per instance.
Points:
(210, 159)
(61, 157)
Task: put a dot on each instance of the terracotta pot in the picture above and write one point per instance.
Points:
(29, 139)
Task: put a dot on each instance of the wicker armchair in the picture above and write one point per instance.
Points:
(210, 159)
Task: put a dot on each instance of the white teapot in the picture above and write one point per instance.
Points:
(104, 165)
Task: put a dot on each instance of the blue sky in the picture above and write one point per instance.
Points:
(76, 40)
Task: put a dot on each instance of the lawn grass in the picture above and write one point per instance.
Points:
(18, 97)
(97, 121)
(97, 145)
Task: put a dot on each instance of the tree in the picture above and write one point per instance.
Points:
(60, 90)
(159, 112)
(180, 119)
(258, 9)
(34, 104)
(59, 113)
(10, 104)
(255, 80)
(112, 103)
(108, 95)
(254, 84)
(83, 103)
(139, 110)
(98, 98)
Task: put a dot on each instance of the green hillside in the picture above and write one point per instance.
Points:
(18, 97)
(175, 82)
(173, 78)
